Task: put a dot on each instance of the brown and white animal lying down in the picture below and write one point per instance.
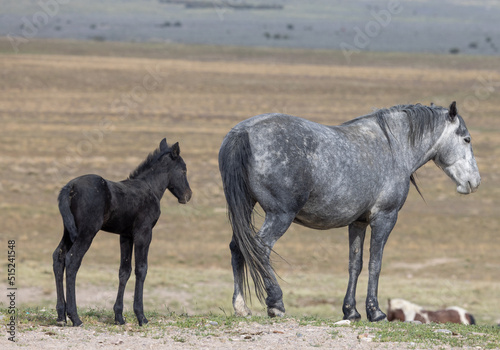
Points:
(402, 310)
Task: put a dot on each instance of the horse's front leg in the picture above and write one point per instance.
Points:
(126, 244)
(381, 226)
(141, 242)
(356, 239)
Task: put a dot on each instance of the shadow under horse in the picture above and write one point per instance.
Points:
(357, 174)
(130, 208)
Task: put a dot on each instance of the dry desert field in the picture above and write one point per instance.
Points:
(69, 108)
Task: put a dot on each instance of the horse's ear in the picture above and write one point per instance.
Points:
(163, 145)
(453, 110)
(176, 150)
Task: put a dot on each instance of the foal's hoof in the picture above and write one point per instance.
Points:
(274, 312)
(77, 323)
(119, 320)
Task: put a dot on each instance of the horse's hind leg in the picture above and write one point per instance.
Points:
(356, 239)
(238, 264)
(59, 257)
(126, 244)
(275, 225)
(74, 259)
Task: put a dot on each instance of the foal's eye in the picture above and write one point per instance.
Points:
(467, 139)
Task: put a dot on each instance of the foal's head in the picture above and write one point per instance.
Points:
(454, 153)
(175, 168)
(166, 166)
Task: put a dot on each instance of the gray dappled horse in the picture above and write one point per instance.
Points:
(129, 208)
(356, 174)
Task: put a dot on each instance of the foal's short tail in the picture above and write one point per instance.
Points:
(65, 209)
(234, 157)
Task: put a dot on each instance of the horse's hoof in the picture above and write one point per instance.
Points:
(353, 316)
(77, 323)
(143, 321)
(61, 323)
(274, 312)
(243, 313)
(240, 308)
(377, 316)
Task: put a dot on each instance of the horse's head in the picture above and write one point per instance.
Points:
(454, 153)
(177, 172)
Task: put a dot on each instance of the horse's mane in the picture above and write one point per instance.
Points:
(152, 158)
(421, 119)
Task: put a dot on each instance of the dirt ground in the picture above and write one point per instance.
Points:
(289, 335)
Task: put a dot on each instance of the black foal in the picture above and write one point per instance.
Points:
(129, 208)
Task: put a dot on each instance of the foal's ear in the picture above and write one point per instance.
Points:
(453, 110)
(176, 150)
(163, 145)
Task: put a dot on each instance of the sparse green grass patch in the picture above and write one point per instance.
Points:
(451, 334)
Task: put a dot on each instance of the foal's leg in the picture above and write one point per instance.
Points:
(126, 245)
(275, 225)
(381, 226)
(356, 239)
(238, 264)
(59, 258)
(74, 259)
(141, 242)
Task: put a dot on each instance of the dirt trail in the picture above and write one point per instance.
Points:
(288, 335)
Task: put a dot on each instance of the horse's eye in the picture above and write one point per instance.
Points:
(467, 139)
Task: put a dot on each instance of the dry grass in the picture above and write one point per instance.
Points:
(63, 115)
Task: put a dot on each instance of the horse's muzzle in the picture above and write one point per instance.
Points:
(474, 186)
(187, 196)
(469, 187)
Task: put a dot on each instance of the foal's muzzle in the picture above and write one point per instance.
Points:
(186, 197)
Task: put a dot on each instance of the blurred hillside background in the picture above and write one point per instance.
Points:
(465, 26)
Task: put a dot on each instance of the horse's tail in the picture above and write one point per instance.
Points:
(234, 157)
(64, 200)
